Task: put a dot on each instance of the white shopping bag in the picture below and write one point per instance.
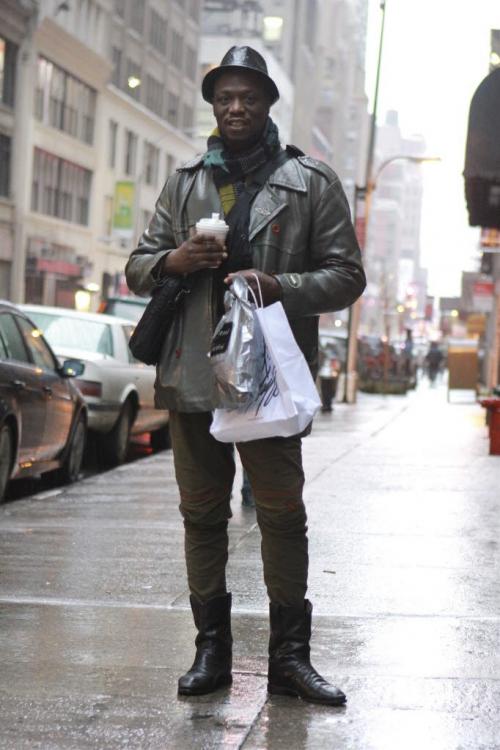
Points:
(287, 399)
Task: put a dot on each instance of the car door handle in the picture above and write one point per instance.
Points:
(19, 385)
(47, 389)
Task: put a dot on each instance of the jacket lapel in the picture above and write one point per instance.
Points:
(267, 204)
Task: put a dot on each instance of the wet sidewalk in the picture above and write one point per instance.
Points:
(404, 518)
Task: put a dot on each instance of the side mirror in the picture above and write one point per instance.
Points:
(72, 368)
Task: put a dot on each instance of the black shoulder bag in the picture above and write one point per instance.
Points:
(149, 334)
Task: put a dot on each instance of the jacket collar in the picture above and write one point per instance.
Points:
(289, 176)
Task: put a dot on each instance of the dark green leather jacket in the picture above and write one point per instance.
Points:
(300, 230)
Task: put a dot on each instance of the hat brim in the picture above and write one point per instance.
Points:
(208, 83)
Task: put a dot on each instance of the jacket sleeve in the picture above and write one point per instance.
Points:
(335, 277)
(156, 242)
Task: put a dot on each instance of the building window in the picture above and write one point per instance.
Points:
(151, 158)
(310, 24)
(60, 188)
(5, 144)
(108, 215)
(137, 15)
(119, 8)
(64, 102)
(187, 117)
(116, 55)
(154, 95)
(113, 135)
(158, 32)
(177, 49)
(8, 56)
(191, 63)
(170, 166)
(194, 9)
(133, 79)
(130, 152)
(173, 108)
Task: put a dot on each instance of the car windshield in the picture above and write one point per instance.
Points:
(74, 333)
(129, 310)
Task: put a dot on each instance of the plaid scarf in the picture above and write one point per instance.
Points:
(230, 172)
(232, 178)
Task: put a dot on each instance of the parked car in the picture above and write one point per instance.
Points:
(129, 307)
(43, 417)
(118, 389)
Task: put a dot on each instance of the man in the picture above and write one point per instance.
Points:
(289, 224)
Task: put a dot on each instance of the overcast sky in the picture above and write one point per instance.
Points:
(436, 53)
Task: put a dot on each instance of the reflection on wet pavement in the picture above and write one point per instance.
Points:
(404, 520)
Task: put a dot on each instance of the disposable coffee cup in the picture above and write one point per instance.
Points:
(215, 226)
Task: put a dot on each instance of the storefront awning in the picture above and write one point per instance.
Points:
(482, 158)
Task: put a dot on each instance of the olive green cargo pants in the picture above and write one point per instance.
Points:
(204, 469)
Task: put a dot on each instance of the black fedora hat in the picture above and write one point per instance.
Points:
(239, 58)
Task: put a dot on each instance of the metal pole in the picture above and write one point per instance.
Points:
(361, 214)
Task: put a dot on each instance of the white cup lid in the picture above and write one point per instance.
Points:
(213, 223)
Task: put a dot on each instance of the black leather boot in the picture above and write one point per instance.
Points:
(290, 669)
(213, 661)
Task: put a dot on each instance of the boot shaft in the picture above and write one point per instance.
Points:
(213, 620)
(290, 630)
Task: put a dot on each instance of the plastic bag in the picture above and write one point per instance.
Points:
(237, 348)
(287, 399)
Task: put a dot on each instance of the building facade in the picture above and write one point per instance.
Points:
(15, 23)
(107, 91)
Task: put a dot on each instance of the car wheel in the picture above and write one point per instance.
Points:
(160, 439)
(114, 444)
(6, 457)
(70, 471)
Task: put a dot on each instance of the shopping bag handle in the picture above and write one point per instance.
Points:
(253, 293)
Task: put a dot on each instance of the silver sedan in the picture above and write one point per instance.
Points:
(118, 389)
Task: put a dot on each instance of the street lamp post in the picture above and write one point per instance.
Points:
(362, 206)
(362, 197)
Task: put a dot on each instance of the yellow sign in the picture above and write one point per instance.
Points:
(123, 208)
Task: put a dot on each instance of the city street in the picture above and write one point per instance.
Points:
(404, 524)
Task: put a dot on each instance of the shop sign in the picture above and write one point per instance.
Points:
(482, 296)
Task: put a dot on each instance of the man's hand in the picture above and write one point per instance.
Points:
(270, 287)
(198, 252)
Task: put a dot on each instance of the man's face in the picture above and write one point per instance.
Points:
(241, 106)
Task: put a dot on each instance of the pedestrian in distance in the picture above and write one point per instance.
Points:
(289, 224)
(433, 361)
(328, 374)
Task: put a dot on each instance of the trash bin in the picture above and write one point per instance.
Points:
(493, 407)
